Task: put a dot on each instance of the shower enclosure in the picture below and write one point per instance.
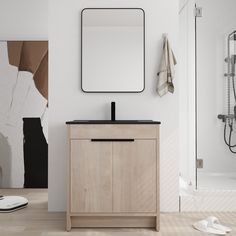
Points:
(207, 65)
(215, 95)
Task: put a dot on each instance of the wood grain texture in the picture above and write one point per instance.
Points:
(116, 214)
(158, 177)
(113, 221)
(113, 131)
(68, 188)
(91, 176)
(113, 180)
(134, 176)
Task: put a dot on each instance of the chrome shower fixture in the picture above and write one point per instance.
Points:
(230, 118)
(224, 118)
(232, 36)
(231, 61)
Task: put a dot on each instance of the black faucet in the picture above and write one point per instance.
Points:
(113, 111)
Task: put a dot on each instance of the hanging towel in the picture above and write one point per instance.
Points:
(166, 72)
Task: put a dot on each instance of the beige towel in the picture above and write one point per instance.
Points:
(166, 72)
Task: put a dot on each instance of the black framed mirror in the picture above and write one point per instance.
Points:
(112, 50)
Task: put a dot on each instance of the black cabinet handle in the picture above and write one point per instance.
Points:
(112, 140)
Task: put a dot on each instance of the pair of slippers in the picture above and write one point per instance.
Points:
(211, 225)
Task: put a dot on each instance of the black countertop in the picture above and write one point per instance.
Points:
(108, 122)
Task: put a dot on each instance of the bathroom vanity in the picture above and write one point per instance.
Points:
(113, 174)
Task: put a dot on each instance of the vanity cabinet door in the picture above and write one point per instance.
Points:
(135, 176)
(91, 176)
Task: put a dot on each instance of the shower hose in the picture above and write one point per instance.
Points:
(230, 122)
(228, 142)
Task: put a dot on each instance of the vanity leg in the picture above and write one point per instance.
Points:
(157, 223)
(68, 223)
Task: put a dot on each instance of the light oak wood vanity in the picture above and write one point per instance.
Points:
(113, 174)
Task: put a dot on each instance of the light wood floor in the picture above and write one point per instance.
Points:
(36, 221)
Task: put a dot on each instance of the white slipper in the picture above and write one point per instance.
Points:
(204, 226)
(215, 223)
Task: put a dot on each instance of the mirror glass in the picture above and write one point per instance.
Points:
(113, 51)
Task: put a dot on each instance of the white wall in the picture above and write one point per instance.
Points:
(212, 50)
(23, 20)
(68, 102)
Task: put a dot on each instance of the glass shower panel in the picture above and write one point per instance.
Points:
(216, 106)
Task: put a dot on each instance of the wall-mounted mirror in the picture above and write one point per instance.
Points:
(113, 50)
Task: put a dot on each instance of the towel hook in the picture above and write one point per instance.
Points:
(165, 35)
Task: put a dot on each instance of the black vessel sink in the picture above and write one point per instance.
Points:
(113, 122)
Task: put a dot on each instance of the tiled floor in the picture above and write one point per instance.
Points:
(36, 221)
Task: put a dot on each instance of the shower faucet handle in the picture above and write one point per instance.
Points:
(221, 117)
(229, 74)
